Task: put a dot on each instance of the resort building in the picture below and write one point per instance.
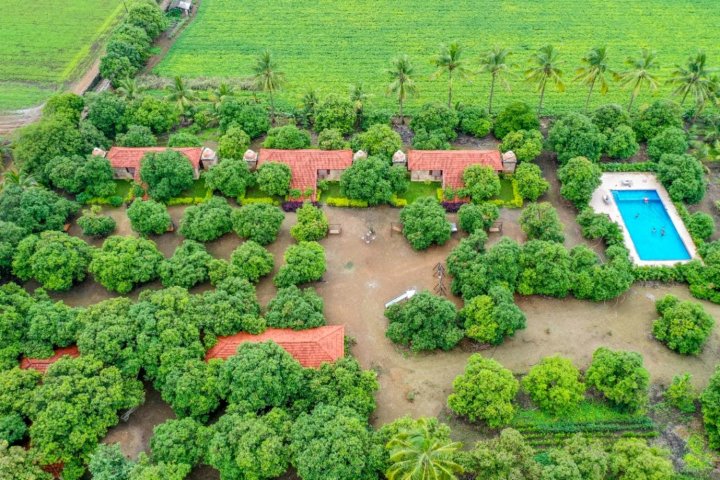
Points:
(42, 364)
(125, 161)
(447, 166)
(311, 347)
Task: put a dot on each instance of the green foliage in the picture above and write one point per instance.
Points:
(485, 391)
(620, 377)
(288, 137)
(143, 469)
(701, 225)
(184, 139)
(579, 177)
(20, 464)
(148, 217)
(660, 115)
(504, 457)
(35, 209)
(90, 175)
(12, 428)
(610, 117)
(540, 221)
(124, 262)
(474, 120)
(683, 176)
(335, 113)
(554, 385)
(598, 225)
(331, 139)
(436, 119)
(312, 224)
(598, 281)
(481, 182)
(525, 144)
(233, 143)
(10, 236)
(304, 263)
(208, 221)
(166, 174)
(137, 136)
(545, 269)
(295, 308)
(681, 393)
(251, 118)
(258, 222)
(477, 216)
(67, 105)
(490, 318)
(191, 386)
(157, 114)
(178, 441)
(530, 181)
(373, 180)
(231, 177)
(274, 178)
(425, 322)
(516, 116)
(435, 140)
(378, 141)
(37, 143)
(106, 111)
(621, 143)
(632, 459)
(188, 266)
(710, 400)
(672, 140)
(574, 135)
(683, 326)
(424, 223)
(55, 259)
(252, 261)
(93, 224)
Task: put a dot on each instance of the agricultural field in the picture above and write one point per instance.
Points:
(46, 43)
(329, 44)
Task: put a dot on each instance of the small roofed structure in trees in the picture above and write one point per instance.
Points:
(360, 155)
(509, 162)
(399, 158)
(42, 364)
(448, 166)
(251, 158)
(126, 161)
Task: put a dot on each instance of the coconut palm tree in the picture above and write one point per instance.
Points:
(639, 73)
(416, 454)
(449, 60)
(495, 63)
(181, 94)
(129, 89)
(268, 78)
(545, 69)
(402, 83)
(593, 71)
(358, 96)
(21, 179)
(695, 78)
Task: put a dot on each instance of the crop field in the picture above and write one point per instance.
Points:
(46, 43)
(331, 44)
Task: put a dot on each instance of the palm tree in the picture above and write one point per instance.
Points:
(358, 97)
(222, 92)
(639, 73)
(593, 72)
(181, 94)
(416, 454)
(402, 83)
(268, 78)
(495, 63)
(449, 60)
(310, 102)
(21, 179)
(129, 88)
(546, 69)
(695, 78)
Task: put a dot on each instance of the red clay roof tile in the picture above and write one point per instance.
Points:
(453, 163)
(42, 364)
(126, 157)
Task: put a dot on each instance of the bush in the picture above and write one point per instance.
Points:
(481, 182)
(425, 322)
(304, 263)
(288, 137)
(579, 177)
(148, 217)
(124, 262)
(490, 318)
(474, 120)
(672, 140)
(166, 173)
(274, 178)
(621, 143)
(159, 115)
(93, 224)
(525, 144)
(335, 113)
(540, 221)
(598, 225)
(373, 180)
(252, 261)
(251, 118)
(683, 176)
(611, 117)
(136, 136)
(710, 401)
(259, 222)
(545, 269)
(574, 135)
(312, 224)
(379, 140)
(436, 118)
(632, 458)
(554, 385)
(620, 377)
(477, 216)
(701, 225)
(657, 117)
(516, 116)
(233, 143)
(331, 139)
(188, 266)
(178, 441)
(295, 308)
(530, 181)
(681, 394)
(484, 392)
(208, 221)
(436, 140)
(184, 139)
(89, 176)
(682, 326)
(231, 177)
(424, 223)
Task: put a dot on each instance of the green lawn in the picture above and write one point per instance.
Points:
(46, 43)
(122, 187)
(330, 44)
(332, 191)
(420, 189)
(198, 190)
(506, 190)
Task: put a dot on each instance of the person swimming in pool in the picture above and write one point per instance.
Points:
(662, 232)
(654, 230)
(646, 199)
(637, 215)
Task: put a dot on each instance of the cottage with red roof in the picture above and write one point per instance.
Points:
(309, 166)
(42, 364)
(447, 166)
(311, 347)
(125, 161)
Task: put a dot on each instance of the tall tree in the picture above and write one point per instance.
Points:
(358, 96)
(595, 66)
(546, 61)
(417, 454)
(449, 60)
(639, 73)
(268, 78)
(179, 93)
(495, 63)
(129, 89)
(695, 79)
(402, 83)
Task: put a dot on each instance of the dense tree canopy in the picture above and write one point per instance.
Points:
(331, 139)
(525, 144)
(545, 269)
(40, 142)
(148, 217)
(137, 136)
(554, 385)
(181, 441)
(312, 224)
(123, 262)
(710, 400)
(184, 139)
(259, 222)
(288, 137)
(683, 326)
(20, 464)
(155, 113)
(474, 217)
(672, 140)
(188, 266)
(530, 182)
(373, 180)
(516, 116)
(540, 221)
(295, 308)
(490, 318)
(274, 178)
(632, 458)
(683, 176)
(93, 224)
(424, 223)
(231, 177)
(207, 221)
(304, 263)
(574, 135)
(436, 118)
(233, 144)
(89, 175)
(503, 457)
(474, 120)
(425, 322)
(378, 141)
(252, 261)
(166, 174)
(35, 209)
(251, 118)
(335, 113)
(481, 182)
(620, 377)
(660, 115)
(579, 177)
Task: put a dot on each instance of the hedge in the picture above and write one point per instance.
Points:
(190, 200)
(515, 202)
(627, 167)
(252, 200)
(345, 202)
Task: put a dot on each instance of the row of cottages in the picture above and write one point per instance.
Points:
(125, 161)
(445, 166)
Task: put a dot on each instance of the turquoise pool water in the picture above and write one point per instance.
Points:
(649, 225)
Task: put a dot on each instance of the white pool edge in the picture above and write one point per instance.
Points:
(639, 181)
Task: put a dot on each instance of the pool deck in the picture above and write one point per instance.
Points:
(639, 181)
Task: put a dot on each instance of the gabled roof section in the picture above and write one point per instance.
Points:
(304, 164)
(127, 157)
(453, 163)
(311, 347)
(42, 364)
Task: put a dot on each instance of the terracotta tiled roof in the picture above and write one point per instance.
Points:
(42, 364)
(453, 163)
(305, 164)
(126, 157)
(311, 347)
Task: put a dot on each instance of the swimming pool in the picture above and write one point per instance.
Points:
(649, 225)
